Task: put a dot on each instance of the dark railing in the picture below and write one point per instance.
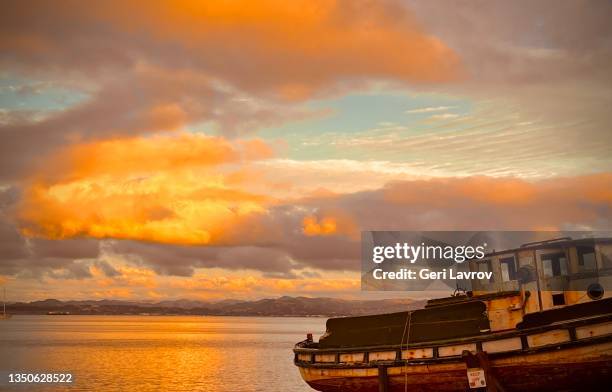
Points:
(478, 341)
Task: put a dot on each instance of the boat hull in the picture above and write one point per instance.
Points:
(569, 369)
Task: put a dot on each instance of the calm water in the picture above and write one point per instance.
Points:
(157, 353)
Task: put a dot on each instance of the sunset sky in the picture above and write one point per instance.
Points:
(236, 149)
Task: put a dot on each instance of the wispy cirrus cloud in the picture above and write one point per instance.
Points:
(429, 109)
(444, 116)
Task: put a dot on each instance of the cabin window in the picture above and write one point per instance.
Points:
(485, 266)
(558, 299)
(586, 258)
(554, 264)
(508, 269)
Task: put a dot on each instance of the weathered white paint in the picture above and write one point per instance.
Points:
(448, 351)
(382, 356)
(417, 353)
(325, 358)
(304, 357)
(549, 337)
(502, 345)
(590, 331)
(351, 358)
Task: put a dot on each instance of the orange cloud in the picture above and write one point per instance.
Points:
(169, 189)
(503, 192)
(292, 49)
(155, 153)
(121, 293)
(330, 222)
(313, 226)
(437, 191)
(252, 285)
(126, 276)
(474, 203)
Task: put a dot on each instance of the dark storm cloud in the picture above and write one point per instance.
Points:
(65, 249)
(181, 260)
(12, 245)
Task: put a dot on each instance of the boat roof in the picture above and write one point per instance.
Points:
(552, 243)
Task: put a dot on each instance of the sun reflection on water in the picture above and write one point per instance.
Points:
(158, 353)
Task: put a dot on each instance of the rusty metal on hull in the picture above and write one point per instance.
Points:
(573, 377)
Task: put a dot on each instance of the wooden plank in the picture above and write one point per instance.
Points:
(549, 337)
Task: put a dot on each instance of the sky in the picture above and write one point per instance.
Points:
(236, 149)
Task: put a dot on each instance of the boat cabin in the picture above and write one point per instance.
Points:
(539, 276)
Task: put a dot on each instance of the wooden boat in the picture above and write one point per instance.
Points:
(514, 334)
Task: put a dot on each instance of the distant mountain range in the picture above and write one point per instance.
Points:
(283, 306)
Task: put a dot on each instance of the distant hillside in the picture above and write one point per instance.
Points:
(303, 306)
(283, 306)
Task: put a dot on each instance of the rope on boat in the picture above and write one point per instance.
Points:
(406, 328)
